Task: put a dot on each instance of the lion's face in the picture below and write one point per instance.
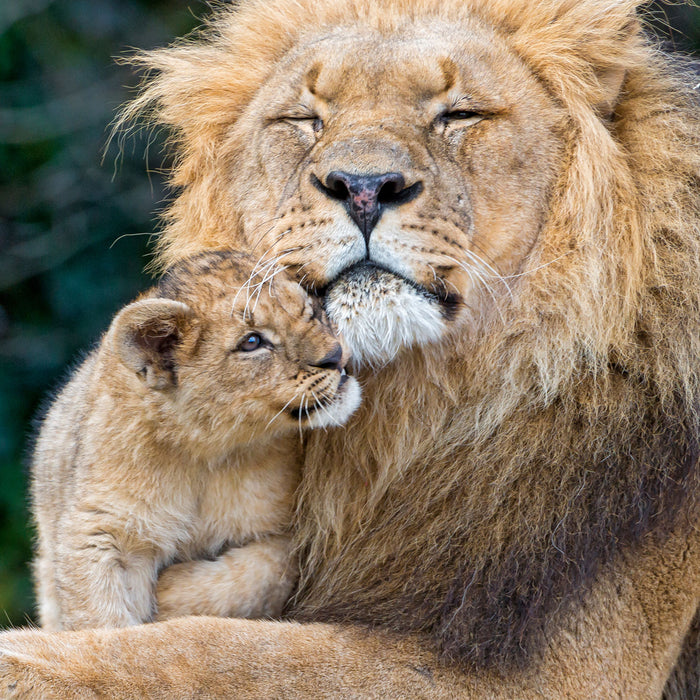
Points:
(407, 176)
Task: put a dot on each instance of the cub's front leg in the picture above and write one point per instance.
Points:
(252, 581)
(104, 578)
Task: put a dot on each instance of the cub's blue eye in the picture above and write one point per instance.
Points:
(251, 342)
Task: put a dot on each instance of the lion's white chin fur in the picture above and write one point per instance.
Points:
(379, 313)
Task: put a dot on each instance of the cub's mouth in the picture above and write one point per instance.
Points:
(380, 312)
(305, 411)
(330, 409)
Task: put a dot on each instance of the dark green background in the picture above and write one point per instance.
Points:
(74, 229)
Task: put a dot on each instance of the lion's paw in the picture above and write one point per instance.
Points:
(15, 681)
(25, 672)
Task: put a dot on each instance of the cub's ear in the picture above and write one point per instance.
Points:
(144, 335)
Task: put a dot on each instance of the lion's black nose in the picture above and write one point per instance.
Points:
(365, 196)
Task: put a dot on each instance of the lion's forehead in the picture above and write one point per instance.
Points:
(361, 66)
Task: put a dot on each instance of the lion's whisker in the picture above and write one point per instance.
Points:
(482, 263)
(264, 268)
(261, 267)
(268, 278)
(483, 251)
(301, 408)
(454, 286)
(494, 273)
(539, 267)
(475, 273)
(306, 410)
(277, 238)
(268, 223)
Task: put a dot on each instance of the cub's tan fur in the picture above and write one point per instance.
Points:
(513, 509)
(176, 441)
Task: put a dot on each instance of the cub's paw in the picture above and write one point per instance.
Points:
(178, 591)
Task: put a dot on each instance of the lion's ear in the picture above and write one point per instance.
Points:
(144, 336)
(611, 80)
(611, 77)
(581, 48)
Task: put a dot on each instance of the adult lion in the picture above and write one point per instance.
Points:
(499, 199)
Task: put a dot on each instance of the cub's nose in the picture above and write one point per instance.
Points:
(365, 196)
(333, 360)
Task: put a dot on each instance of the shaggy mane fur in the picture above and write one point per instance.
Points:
(485, 482)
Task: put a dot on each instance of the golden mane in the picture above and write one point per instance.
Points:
(485, 482)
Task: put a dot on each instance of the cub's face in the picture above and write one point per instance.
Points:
(406, 177)
(237, 357)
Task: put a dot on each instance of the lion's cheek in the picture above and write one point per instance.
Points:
(509, 194)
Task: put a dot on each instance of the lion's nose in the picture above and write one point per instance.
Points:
(365, 196)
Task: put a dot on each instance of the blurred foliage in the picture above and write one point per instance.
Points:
(74, 230)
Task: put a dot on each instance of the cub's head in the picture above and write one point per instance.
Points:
(231, 353)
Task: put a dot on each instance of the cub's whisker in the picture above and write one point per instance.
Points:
(269, 423)
(321, 407)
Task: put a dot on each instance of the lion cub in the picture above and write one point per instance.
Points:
(174, 445)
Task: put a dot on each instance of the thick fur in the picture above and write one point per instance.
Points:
(173, 443)
(500, 484)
